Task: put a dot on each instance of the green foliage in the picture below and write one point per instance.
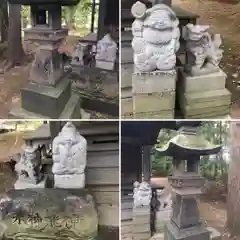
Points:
(77, 15)
(212, 168)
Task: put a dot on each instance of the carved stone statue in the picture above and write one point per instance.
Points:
(69, 152)
(106, 53)
(203, 49)
(29, 166)
(155, 37)
(142, 194)
(78, 54)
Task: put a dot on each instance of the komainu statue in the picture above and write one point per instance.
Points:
(203, 50)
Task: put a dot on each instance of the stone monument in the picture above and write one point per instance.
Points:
(164, 212)
(141, 211)
(202, 92)
(53, 214)
(48, 93)
(155, 43)
(29, 169)
(106, 53)
(69, 158)
(186, 182)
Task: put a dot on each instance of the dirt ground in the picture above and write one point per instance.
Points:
(223, 18)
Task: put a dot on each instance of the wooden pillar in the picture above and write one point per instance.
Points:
(93, 15)
(146, 163)
(101, 19)
(139, 168)
(55, 127)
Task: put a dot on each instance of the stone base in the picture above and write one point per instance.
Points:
(208, 104)
(141, 223)
(105, 65)
(154, 95)
(74, 181)
(214, 234)
(21, 184)
(127, 108)
(212, 81)
(172, 232)
(126, 75)
(154, 82)
(163, 114)
(158, 236)
(162, 217)
(38, 101)
(154, 106)
(72, 110)
(141, 236)
(46, 100)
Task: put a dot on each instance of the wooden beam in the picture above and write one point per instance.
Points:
(101, 19)
(146, 163)
(93, 15)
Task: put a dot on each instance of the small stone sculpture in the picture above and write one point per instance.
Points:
(142, 194)
(106, 53)
(69, 158)
(29, 166)
(78, 54)
(155, 37)
(203, 49)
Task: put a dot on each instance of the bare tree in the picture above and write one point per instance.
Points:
(233, 201)
(15, 49)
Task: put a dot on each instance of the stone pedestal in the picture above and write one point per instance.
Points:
(69, 181)
(47, 213)
(204, 96)
(172, 232)
(21, 184)
(141, 223)
(126, 91)
(154, 94)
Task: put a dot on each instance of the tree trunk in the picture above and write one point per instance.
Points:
(233, 199)
(4, 21)
(15, 50)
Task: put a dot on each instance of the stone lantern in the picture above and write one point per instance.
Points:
(48, 94)
(186, 148)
